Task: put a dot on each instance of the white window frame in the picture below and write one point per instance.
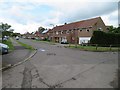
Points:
(87, 30)
(67, 32)
(57, 32)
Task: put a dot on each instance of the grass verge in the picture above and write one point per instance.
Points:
(9, 43)
(26, 46)
(93, 48)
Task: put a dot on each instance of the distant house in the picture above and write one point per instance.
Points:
(36, 34)
(43, 35)
(27, 35)
(77, 32)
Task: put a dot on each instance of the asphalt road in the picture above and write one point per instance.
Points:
(18, 55)
(54, 66)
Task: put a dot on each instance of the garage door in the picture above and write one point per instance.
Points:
(84, 39)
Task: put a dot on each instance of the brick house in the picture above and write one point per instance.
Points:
(42, 35)
(28, 35)
(77, 32)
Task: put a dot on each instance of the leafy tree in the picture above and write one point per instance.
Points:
(15, 34)
(5, 27)
(41, 29)
(114, 29)
(117, 30)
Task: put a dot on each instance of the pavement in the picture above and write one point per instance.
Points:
(54, 66)
(18, 55)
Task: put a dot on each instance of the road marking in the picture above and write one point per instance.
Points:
(41, 50)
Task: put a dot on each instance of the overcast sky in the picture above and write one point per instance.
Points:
(28, 15)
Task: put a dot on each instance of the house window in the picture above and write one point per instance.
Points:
(87, 30)
(80, 30)
(61, 32)
(71, 31)
(57, 33)
(64, 31)
(100, 29)
(90, 26)
(67, 32)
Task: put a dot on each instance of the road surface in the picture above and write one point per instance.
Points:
(55, 66)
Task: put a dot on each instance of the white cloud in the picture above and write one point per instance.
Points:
(62, 11)
(111, 19)
(29, 27)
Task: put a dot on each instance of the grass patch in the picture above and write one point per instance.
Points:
(9, 43)
(26, 46)
(93, 48)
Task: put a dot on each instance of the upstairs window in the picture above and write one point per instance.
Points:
(90, 26)
(57, 33)
(61, 32)
(100, 29)
(67, 32)
(64, 32)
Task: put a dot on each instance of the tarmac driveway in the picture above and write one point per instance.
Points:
(54, 66)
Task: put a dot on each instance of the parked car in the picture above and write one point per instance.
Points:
(5, 38)
(64, 41)
(4, 49)
(17, 38)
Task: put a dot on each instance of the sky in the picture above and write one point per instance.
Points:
(27, 15)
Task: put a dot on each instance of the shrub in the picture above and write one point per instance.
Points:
(105, 39)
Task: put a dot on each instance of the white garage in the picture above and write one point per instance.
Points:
(84, 39)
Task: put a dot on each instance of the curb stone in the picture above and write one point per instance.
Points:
(6, 67)
(10, 66)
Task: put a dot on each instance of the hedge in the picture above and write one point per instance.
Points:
(105, 39)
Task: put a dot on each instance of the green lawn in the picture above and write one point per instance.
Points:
(93, 48)
(26, 46)
(9, 43)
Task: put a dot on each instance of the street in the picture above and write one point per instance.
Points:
(54, 66)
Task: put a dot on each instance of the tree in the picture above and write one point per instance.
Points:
(41, 29)
(114, 29)
(5, 27)
(117, 30)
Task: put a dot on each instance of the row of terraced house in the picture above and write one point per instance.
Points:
(76, 32)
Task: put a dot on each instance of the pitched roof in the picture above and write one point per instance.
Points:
(79, 24)
(45, 31)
